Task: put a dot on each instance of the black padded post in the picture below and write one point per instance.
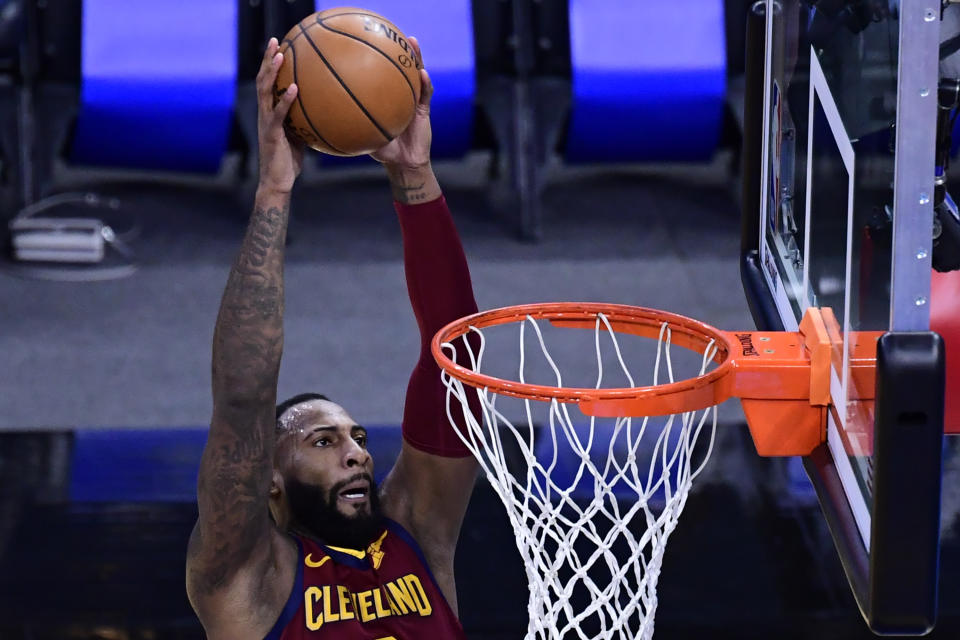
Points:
(908, 450)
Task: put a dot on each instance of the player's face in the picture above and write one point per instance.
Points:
(329, 455)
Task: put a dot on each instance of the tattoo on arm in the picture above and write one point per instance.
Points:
(235, 472)
(233, 508)
(412, 185)
(248, 338)
(408, 194)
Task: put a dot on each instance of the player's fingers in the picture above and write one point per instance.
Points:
(265, 89)
(268, 54)
(426, 89)
(266, 81)
(416, 50)
(286, 99)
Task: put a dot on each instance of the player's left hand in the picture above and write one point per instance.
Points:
(411, 149)
(281, 155)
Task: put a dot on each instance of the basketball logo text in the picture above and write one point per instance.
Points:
(373, 26)
(746, 344)
(335, 603)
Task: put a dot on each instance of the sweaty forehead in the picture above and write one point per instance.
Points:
(313, 413)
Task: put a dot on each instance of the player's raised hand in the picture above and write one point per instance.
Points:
(411, 149)
(281, 156)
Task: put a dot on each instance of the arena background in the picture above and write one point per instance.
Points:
(104, 388)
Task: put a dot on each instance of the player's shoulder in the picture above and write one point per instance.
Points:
(245, 601)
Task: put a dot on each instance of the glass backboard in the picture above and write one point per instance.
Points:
(845, 216)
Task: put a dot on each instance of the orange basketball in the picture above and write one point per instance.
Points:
(358, 77)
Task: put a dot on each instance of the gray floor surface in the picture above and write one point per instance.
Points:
(135, 351)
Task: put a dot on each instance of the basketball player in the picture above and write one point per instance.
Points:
(293, 539)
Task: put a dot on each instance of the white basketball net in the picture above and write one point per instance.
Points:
(592, 563)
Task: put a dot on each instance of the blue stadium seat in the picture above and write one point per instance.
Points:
(649, 80)
(159, 84)
(444, 29)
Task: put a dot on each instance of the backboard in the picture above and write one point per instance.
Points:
(841, 219)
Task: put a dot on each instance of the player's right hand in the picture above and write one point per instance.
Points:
(411, 149)
(281, 156)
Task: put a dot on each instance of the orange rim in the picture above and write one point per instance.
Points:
(687, 395)
(782, 378)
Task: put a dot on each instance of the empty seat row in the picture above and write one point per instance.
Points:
(160, 85)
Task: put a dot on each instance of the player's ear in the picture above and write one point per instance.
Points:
(276, 484)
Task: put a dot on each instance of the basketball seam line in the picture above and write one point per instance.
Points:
(303, 109)
(321, 21)
(356, 100)
(354, 13)
(413, 92)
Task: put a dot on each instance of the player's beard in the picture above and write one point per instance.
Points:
(314, 510)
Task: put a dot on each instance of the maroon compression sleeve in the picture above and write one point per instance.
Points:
(438, 281)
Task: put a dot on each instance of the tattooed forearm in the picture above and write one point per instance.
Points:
(248, 338)
(413, 185)
(234, 480)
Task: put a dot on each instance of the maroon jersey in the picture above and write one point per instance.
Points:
(384, 593)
